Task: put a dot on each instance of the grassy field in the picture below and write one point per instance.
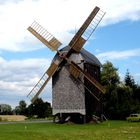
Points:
(110, 130)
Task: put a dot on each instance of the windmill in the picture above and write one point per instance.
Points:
(74, 72)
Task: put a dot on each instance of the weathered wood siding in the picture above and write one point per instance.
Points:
(68, 96)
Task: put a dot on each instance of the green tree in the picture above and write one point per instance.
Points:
(22, 106)
(30, 111)
(124, 102)
(48, 111)
(16, 110)
(129, 80)
(109, 76)
(39, 108)
(120, 99)
(137, 93)
(110, 80)
(5, 109)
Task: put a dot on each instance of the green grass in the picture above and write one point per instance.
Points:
(110, 130)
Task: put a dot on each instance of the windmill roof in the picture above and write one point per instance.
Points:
(87, 56)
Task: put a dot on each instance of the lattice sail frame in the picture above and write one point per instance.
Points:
(44, 36)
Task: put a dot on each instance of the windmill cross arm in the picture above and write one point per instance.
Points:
(76, 71)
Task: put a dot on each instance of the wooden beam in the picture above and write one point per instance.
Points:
(52, 68)
(88, 77)
(83, 27)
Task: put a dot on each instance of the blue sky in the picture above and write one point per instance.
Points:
(23, 59)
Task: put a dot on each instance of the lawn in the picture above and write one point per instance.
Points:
(110, 130)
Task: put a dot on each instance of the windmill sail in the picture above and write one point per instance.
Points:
(77, 72)
(44, 36)
(86, 29)
(34, 93)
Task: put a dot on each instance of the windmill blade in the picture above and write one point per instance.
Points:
(34, 93)
(77, 72)
(44, 36)
(87, 29)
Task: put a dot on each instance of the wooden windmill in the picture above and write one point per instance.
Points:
(74, 72)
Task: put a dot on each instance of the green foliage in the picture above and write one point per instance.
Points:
(136, 94)
(17, 110)
(129, 80)
(5, 109)
(21, 108)
(121, 99)
(109, 74)
(119, 103)
(22, 104)
(39, 109)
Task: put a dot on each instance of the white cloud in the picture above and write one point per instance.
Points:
(118, 10)
(137, 77)
(11, 1)
(60, 17)
(118, 55)
(19, 76)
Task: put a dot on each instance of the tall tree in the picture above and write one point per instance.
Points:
(22, 107)
(109, 75)
(110, 79)
(129, 80)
